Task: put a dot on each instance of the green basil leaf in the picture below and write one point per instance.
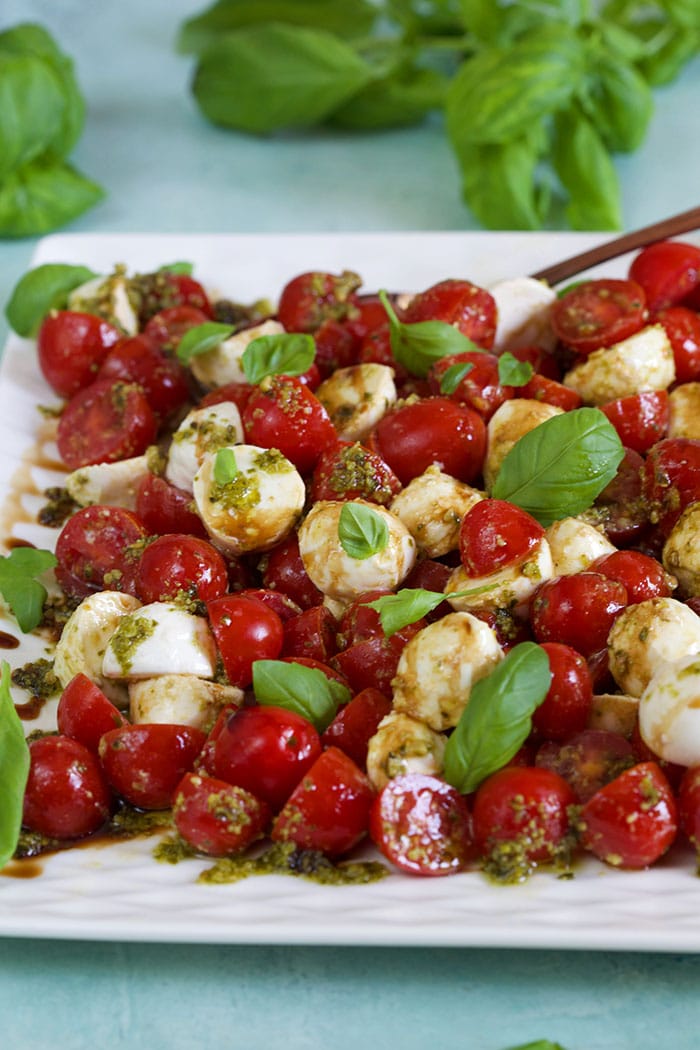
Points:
(186, 268)
(362, 531)
(289, 353)
(663, 63)
(225, 466)
(270, 77)
(453, 376)
(417, 346)
(24, 594)
(502, 21)
(512, 372)
(557, 470)
(435, 18)
(202, 338)
(43, 195)
(397, 611)
(31, 110)
(501, 184)
(14, 769)
(305, 690)
(618, 102)
(538, 1044)
(399, 99)
(587, 172)
(498, 717)
(42, 289)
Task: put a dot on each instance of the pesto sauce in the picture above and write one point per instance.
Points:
(242, 493)
(131, 632)
(272, 462)
(38, 678)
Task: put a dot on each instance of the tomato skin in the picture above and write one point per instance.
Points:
(494, 534)
(105, 422)
(284, 414)
(85, 714)
(356, 723)
(217, 818)
(682, 327)
(480, 388)
(567, 705)
(643, 577)
(347, 471)
(541, 388)
(625, 515)
(163, 290)
(587, 760)
(336, 346)
(239, 393)
(166, 328)
(577, 610)
(266, 750)
(668, 271)
(633, 820)
(598, 313)
(310, 298)
(162, 378)
(144, 763)
(177, 563)
(67, 795)
(311, 633)
(422, 825)
(245, 630)
(283, 570)
(689, 804)
(275, 600)
(671, 479)
(71, 347)
(469, 308)
(92, 551)
(329, 808)
(640, 419)
(373, 661)
(163, 508)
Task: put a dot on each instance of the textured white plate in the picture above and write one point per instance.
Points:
(118, 892)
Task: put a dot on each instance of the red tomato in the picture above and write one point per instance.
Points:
(164, 508)
(106, 421)
(311, 633)
(163, 290)
(162, 378)
(421, 824)
(356, 723)
(544, 363)
(587, 760)
(577, 610)
(93, 551)
(430, 575)
(275, 600)
(433, 430)
(480, 388)
(145, 763)
(376, 349)
(369, 315)
(166, 328)
(284, 414)
(494, 534)
(540, 388)
(373, 661)
(682, 327)
(217, 818)
(179, 564)
(567, 705)
(67, 795)
(337, 346)
(204, 763)
(283, 570)
(348, 471)
(85, 714)
(460, 303)
(671, 479)
(640, 419)
(239, 393)
(598, 313)
(624, 516)
(689, 804)
(360, 621)
(310, 298)
(643, 577)
(633, 820)
(70, 348)
(245, 630)
(667, 271)
(266, 750)
(329, 808)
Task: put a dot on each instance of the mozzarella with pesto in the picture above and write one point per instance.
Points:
(401, 745)
(574, 545)
(160, 638)
(180, 699)
(642, 362)
(223, 364)
(509, 588)
(115, 484)
(681, 553)
(202, 431)
(669, 712)
(646, 637)
(109, 298)
(431, 507)
(357, 397)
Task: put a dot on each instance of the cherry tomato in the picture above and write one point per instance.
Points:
(266, 750)
(633, 820)
(245, 630)
(356, 723)
(480, 388)
(430, 575)
(667, 271)
(422, 825)
(239, 393)
(166, 328)
(540, 388)
(163, 290)
(85, 714)
(67, 795)
(337, 346)
(544, 363)
(376, 349)
(285, 608)
(311, 633)
(494, 534)
(329, 808)
(310, 298)
(640, 419)
(162, 378)
(283, 570)
(71, 347)
(460, 303)
(360, 621)
(217, 818)
(373, 661)
(643, 577)
(93, 551)
(689, 804)
(179, 564)
(682, 327)
(671, 480)
(106, 421)
(145, 763)
(577, 610)
(348, 471)
(164, 508)
(598, 313)
(567, 705)
(284, 414)
(622, 509)
(587, 760)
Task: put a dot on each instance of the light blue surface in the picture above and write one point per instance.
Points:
(166, 170)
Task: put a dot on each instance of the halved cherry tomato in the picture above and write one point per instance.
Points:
(356, 723)
(348, 471)
(577, 610)
(643, 577)
(587, 760)
(245, 630)
(598, 313)
(67, 795)
(217, 818)
(85, 714)
(162, 378)
(671, 479)
(682, 327)
(549, 391)
(71, 346)
(163, 290)
(373, 661)
(275, 600)
(106, 421)
(623, 511)
(480, 388)
(166, 328)
(689, 804)
(310, 298)
(284, 414)
(145, 763)
(567, 705)
(494, 534)
(337, 346)
(180, 564)
(311, 633)
(93, 551)
(164, 508)
(640, 419)
(283, 569)
(460, 303)
(667, 271)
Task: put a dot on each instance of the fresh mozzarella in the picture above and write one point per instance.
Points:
(222, 365)
(684, 411)
(356, 398)
(669, 712)
(403, 745)
(160, 638)
(524, 307)
(507, 425)
(203, 430)
(111, 484)
(258, 507)
(643, 362)
(614, 712)
(574, 545)
(432, 507)
(647, 636)
(681, 553)
(109, 298)
(180, 699)
(439, 666)
(508, 588)
(84, 639)
(341, 576)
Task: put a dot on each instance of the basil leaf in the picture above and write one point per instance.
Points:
(42, 195)
(31, 109)
(663, 64)
(399, 99)
(362, 531)
(502, 21)
(305, 690)
(269, 77)
(24, 594)
(40, 290)
(500, 183)
(557, 470)
(618, 102)
(225, 466)
(498, 717)
(587, 172)
(453, 376)
(417, 346)
(185, 268)
(538, 1044)
(14, 769)
(512, 372)
(397, 611)
(202, 338)
(289, 353)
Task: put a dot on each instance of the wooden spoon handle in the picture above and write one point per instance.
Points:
(659, 231)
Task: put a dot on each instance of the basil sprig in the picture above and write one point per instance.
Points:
(498, 717)
(362, 531)
(557, 470)
(14, 769)
(397, 611)
(287, 353)
(202, 338)
(225, 466)
(181, 267)
(40, 290)
(305, 690)
(18, 586)
(417, 346)
(512, 372)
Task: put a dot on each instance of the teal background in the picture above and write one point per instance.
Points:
(166, 170)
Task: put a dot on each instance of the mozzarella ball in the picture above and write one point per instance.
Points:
(614, 712)
(507, 425)
(646, 637)
(109, 298)
(110, 484)
(684, 411)
(257, 508)
(403, 745)
(681, 553)
(643, 362)
(669, 712)
(575, 545)
(160, 638)
(82, 644)
(222, 364)
(180, 699)
(524, 307)
(202, 431)
(439, 666)
(432, 507)
(336, 573)
(356, 398)
(509, 588)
